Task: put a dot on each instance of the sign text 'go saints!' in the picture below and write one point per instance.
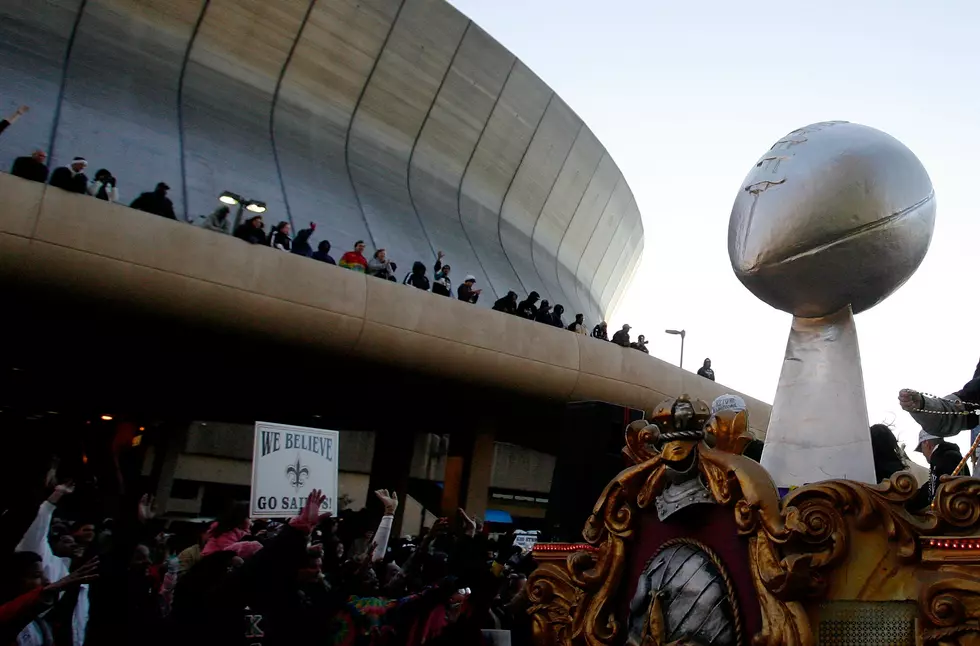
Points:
(287, 463)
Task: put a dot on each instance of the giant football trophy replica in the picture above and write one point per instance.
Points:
(829, 222)
(692, 544)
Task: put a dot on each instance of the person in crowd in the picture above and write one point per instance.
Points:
(943, 459)
(55, 567)
(528, 308)
(622, 338)
(601, 332)
(279, 237)
(578, 325)
(156, 202)
(888, 456)
(71, 178)
(322, 253)
(556, 316)
(29, 600)
(441, 284)
(544, 313)
(417, 278)
(301, 243)
(947, 415)
(507, 303)
(355, 260)
(252, 230)
(640, 344)
(32, 168)
(466, 292)
(103, 186)
(9, 121)
(219, 220)
(380, 267)
(706, 371)
(228, 531)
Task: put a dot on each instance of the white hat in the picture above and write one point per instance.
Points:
(924, 437)
(469, 278)
(727, 402)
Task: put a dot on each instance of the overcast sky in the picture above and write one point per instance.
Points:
(686, 96)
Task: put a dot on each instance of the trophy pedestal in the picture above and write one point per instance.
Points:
(818, 429)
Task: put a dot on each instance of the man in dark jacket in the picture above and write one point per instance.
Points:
(71, 179)
(556, 316)
(544, 313)
(251, 230)
(528, 307)
(706, 371)
(156, 202)
(641, 345)
(417, 277)
(322, 253)
(301, 243)
(507, 303)
(465, 291)
(622, 337)
(943, 458)
(32, 168)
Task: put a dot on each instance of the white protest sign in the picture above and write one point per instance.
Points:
(288, 462)
(525, 540)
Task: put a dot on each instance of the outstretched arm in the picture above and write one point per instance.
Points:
(390, 501)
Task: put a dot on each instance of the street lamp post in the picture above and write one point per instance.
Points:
(682, 334)
(232, 199)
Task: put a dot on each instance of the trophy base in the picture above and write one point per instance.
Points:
(818, 429)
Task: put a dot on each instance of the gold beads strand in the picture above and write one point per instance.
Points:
(974, 409)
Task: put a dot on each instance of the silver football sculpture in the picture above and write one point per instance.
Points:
(834, 214)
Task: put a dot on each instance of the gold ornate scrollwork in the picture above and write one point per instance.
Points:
(952, 606)
(957, 503)
(794, 544)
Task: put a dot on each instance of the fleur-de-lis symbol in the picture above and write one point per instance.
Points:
(297, 474)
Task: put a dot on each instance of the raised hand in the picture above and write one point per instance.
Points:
(469, 525)
(909, 400)
(309, 516)
(147, 508)
(389, 500)
(85, 574)
(60, 491)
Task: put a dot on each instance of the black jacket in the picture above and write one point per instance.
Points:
(62, 178)
(324, 256)
(465, 292)
(27, 168)
(301, 243)
(417, 278)
(250, 234)
(556, 316)
(155, 203)
(944, 460)
(599, 332)
(279, 240)
(622, 338)
(506, 303)
(707, 373)
(528, 308)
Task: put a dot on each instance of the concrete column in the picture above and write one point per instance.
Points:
(469, 467)
(390, 469)
(456, 479)
(481, 472)
(166, 453)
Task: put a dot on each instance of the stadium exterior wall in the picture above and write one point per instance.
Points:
(399, 122)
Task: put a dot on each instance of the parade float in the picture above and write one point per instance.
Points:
(696, 544)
